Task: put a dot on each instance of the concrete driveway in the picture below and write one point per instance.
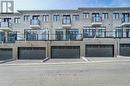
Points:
(84, 74)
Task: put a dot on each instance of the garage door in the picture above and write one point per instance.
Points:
(99, 51)
(125, 49)
(5, 54)
(65, 52)
(32, 53)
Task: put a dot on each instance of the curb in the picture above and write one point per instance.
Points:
(4, 61)
(63, 63)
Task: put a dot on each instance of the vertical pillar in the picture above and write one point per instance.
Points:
(15, 53)
(82, 50)
(117, 48)
(6, 37)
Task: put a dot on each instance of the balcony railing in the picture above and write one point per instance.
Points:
(12, 37)
(96, 19)
(8, 38)
(5, 25)
(65, 22)
(126, 20)
(35, 22)
(107, 34)
(53, 37)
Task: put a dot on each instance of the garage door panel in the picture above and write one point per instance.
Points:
(5, 54)
(32, 53)
(99, 51)
(66, 52)
(125, 49)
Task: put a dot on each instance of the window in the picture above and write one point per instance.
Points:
(32, 35)
(127, 34)
(66, 19)
(105, 16)
(59, 34)
(72, 34)
(26, 18)
(7, 20)
(125, 17)
(119, 33)
(2, 35)
(89, 32)
(16, 20)
(45, 18)
(36, 17)
(116, 16)
(56, 18)
(101, 33)
(85, 15)
(12, 36)
(76, 17)
(110, 34)
(96, 17)
(0, 20)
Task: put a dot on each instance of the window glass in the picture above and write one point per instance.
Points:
(26, 18)
(76, 17)
(45, 18)
(16, 20)
(105, 16)
(56, 18)
(116, 16)
(85, 15)
(66, 19)
(119, 32)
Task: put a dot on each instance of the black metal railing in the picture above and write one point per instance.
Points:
(53, 37)
(107, 34)
(13, 37)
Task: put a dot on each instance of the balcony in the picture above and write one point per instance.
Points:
(125, 22)
(35, 24)
(8, 37)
(96, 21)
(6, 26)
(66, 24)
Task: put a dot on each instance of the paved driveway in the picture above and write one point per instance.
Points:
(85, 74)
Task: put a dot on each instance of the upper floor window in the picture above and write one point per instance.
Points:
(116, 15)
(56, 18)
(6, 20)
(96, 17)
(85, 15)
(26, 18)
(105, 16)
(125, 17)
(36, 17)
(16, 20)
(45, 18)
(66, 19)
(76, 17)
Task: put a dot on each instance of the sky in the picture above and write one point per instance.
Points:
(67, 4)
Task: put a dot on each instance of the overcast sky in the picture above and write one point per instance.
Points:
(67, 4)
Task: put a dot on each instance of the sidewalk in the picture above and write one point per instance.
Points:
(83, 60)
(106, 59)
